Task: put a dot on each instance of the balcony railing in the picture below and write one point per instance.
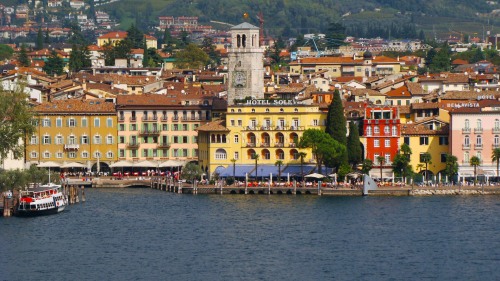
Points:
(149, 132)
(175, 118)
(496, 130)
(71, 147)
(465, 130)
(149, 118)
(132, 119)
(164, 145)
(250, 144)
(121, 119)
(132, 144)
(465, 146)
(478, 130)
(478, 146)
(278, 144)
(495, 145)
(164, 118)
(265, 144)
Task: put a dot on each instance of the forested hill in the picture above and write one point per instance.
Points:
(289, 17)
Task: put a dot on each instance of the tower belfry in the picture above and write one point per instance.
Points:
(245, 65)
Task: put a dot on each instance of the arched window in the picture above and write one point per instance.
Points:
(220, 154)
(394, 131)
(212, 139)
(244, 40)
(294, 154)
(466, 157)
(223, 138)
(478, 124)
(466, 124)
(386, 130)
(238, 40)
(280, 155)
(266, 155)
(479, 140)
(466, 141)
(368, 131)
(376, 130)
(496, 141)
(497, 124)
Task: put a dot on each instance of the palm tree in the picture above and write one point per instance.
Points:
(495, 156)
(234, 167)
(279, 163)
(474, 162)
(302, 155)
(406, 151)
(426, 159)
(381, 161)
(256, 158)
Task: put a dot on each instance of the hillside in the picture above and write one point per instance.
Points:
(289, 17)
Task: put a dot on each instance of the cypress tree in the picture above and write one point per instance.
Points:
(354, 152)
(39, 40)
(75, 59)
(54, 64)
(145, 57)
(47, 37)
(23, 56)
(336, 124)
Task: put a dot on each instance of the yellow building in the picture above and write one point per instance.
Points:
(428, 136)
(82, 131)
(116, 36)
(270, 129)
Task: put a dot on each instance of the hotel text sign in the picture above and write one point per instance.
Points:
(272, 102)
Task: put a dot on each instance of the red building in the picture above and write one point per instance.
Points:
(381, 130)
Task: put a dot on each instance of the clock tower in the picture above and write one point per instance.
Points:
(245, 66)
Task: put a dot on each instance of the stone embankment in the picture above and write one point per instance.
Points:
(458, 191)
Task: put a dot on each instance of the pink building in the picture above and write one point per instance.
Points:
(475, 131)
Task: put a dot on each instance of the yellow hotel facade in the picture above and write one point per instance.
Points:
(270, 129)
(82, 131)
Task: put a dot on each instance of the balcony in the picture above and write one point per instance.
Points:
(149, 132)
(163, 145)
(465, 130)
(133, 144)
(496, 130)
(478, 146)
(71, 147)
(132, 119)
(465, 146)
(265, 144)
(175, 118)
(121, 119)
(164, 118)
(250, 144)
(292, 144)
(478, 130)
(149, 118)
(495, 145)
(278, 144)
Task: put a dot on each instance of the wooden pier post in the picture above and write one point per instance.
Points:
(83, 193)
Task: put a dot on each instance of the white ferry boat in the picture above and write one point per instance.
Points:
(41, 200)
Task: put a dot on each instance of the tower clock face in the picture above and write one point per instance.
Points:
(239, 79)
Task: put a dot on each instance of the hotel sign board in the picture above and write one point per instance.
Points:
(271, 102)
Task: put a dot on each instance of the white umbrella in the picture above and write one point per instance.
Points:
(146, 164)
(73, 165)
(315, 176)
(49, 164)
(121, 164)
(170, 163)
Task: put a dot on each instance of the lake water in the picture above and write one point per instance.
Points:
(145, 234)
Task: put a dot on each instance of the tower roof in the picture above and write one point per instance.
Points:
(244, 25)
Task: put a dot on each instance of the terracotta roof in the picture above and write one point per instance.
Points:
(346, 79)
(425, 105)
(343, 60)
(418, 129)
(105, 88)
(214, 126)
(363, 92)
(459, 62)
(76, 106)
(415, 88)
(404, 109)
(401, 92)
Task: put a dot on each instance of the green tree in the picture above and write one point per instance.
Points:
(6, 52)
(75, 59)
(336, 35)
(275, 51)
(135, 37)
(16, 115)
(191, 57)
(279, 163)
(367, 166)
(451, 166)
(109, 54)
(234, 168)
(208, 47)
(336, 125)
(302, 155)
(475, 162)
(442, 60)
(54, 64)
(381, 161)
(495, 157)
(324, 148)
(168, 41)
(256, 158)
(47, 37)
(400, 166)
(477, 55)
(145, 57)
(12, 179)
(426, 158)
(354, 151)
(23, 56)
(39, 40)
(191, 172)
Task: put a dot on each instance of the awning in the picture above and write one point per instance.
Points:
(239, 171)
(74, 165)
(266, 170)
(122, 163)
(146, 164)
(295, 170)
(49, 164)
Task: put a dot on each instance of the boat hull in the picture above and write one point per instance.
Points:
(35, 213)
